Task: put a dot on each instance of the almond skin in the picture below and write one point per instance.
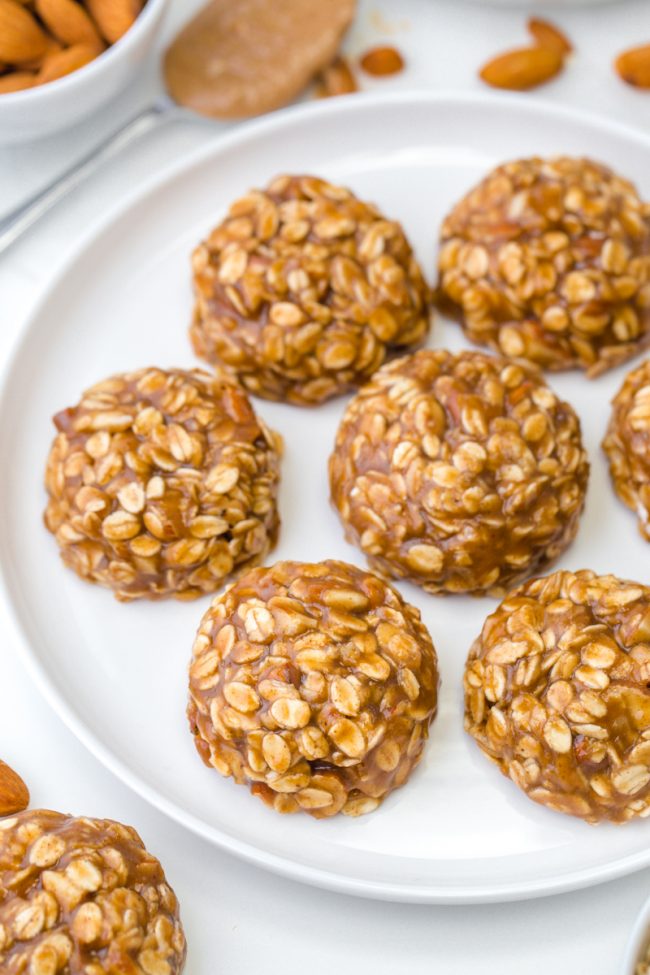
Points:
(550, 36)
(522, 68)
(68, 21)
(64, 62)
(14, 794)
(114, 17)
(633, 66)
(21, 39)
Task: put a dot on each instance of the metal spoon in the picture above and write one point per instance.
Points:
(218, 66)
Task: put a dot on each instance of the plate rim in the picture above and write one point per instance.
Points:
(424, 893)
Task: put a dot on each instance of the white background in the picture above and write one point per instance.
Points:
(236, 917)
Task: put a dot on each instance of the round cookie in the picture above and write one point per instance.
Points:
(549, 260)
(313, 684)
(459, 472)
(162, 483)
(83, 897)
(627, 444)
(556, 693)
(303, 291)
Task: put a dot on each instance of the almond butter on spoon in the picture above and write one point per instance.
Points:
(239, 58)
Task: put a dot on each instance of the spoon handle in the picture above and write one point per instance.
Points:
(16, 223)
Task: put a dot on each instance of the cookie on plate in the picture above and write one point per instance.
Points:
(459, 472)
(627, 444)
(556, 694)
(162, 483)
(303, 290)
(313, 684)
(549, 260)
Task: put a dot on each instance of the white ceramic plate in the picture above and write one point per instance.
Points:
(459, 831)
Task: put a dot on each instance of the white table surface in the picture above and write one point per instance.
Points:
(239, 919)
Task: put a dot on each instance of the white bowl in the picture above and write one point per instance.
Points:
(59, 104)
(638, 942)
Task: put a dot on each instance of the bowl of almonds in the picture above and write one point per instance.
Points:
(61, 59)
(636, 959)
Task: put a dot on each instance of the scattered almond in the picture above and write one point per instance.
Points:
(114, 17)
(382, 61)
(14, 794)
(17, 81)
(336, 79)
(549, 36)
(523, 68)
(20, 36)
(633, 66)
(68, 21)
(64, 62)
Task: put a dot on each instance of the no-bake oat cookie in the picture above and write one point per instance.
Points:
(558, 693)
(459, 472)
(83, 897)
(303, 291)
(162, 483)
(313, 684)
(627, 444)
(549, 260)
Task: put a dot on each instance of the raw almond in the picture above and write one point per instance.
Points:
(336, 79)
(14, 794)
(66, 61)
(550, 36)
(114, 17)
(52, 46)
(381, 61)
(523, 68)
(17, 81)
(68, 21)
(633, 66)
(21, 39)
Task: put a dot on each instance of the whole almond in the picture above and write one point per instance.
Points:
(336, 79)
(35, 63)
(550, 36)
(68, 21)
(16, 81)
(64, 62)
(633, 66)
(382, 61)
(14, 794)
(522, 68)
(114, 17)
(21, 38)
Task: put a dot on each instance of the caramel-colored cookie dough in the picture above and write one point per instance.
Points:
(557, 694)
(313, 684)
(549, 260)
(304, 290)
(83, 897)
(459, 472)
(162, 483)
(627, 444)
